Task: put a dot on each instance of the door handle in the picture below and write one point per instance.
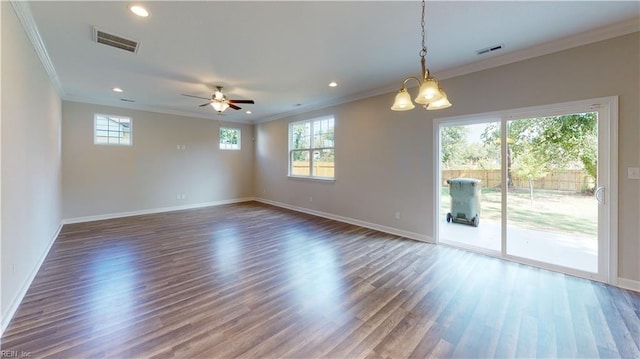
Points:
(599, 194)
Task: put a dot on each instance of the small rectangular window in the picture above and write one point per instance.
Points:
(229, 138)
(311, 148)
(112, 130)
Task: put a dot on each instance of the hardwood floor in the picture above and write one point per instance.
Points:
(253, 281)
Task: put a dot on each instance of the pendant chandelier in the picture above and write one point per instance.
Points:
(430, 95)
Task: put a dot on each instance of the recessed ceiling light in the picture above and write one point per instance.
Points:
(248, 112)
(139, 10)
(117, 89)
(333, 84)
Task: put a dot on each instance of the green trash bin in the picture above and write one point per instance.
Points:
(465, 201)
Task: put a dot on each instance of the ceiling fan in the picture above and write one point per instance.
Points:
(220, 102)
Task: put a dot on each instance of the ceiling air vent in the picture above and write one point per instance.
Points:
(489, 49)
(104, 38)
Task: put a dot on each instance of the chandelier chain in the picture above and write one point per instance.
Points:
(423, 51)
(430, 95)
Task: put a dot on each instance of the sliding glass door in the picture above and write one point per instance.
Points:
(540, 182)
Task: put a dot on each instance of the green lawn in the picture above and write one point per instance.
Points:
(570, 213)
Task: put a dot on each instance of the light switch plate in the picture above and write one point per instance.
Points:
(633, 172)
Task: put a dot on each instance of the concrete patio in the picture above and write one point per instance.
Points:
(573, 251)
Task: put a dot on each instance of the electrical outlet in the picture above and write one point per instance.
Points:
(310, 199)
(397, 215)
(633, 173)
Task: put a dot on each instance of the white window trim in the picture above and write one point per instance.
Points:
(95, 123)
(310, 150)
(220, 144)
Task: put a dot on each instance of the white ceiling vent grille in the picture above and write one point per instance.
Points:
(104, 38)
(489, 49)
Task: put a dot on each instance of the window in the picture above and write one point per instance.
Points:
(111, 130)
(311, 152)
(229, 138)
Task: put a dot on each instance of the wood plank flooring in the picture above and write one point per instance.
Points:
(255, 281)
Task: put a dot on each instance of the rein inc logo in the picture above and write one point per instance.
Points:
(14, 354)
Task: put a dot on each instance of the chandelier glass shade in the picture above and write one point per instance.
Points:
(430, 95)
(441, 103)
(403, 101)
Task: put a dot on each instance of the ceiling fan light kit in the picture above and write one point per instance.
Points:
(430, 95)
(220, 106)
(220, 102)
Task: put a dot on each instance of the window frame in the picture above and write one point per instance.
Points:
(239, 144)
(96, 116)
(311, 150)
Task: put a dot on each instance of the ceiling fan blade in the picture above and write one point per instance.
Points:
(206, 104)
(234, 106)
(204, 98)
(241, 101)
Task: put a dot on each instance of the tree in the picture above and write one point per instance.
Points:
(530, 165)
(558, 141)
(491, 136)
(300, 141)
(570, 139)
(453, 141)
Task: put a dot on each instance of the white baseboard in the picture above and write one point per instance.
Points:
(15, 303)
(153, 210)
(357, 222)
(629, 284)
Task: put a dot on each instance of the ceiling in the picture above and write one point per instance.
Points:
(284, 54)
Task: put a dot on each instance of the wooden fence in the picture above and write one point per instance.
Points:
(321, 169)
(562, 180)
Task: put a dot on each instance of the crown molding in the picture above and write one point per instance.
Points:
(632, 25)
(138, 107)
(585, 38)
(330, 103)
(565, 43)
(23, 12)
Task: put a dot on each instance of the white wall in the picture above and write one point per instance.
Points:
(384, 158)
(103, 180)
(30, 162)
